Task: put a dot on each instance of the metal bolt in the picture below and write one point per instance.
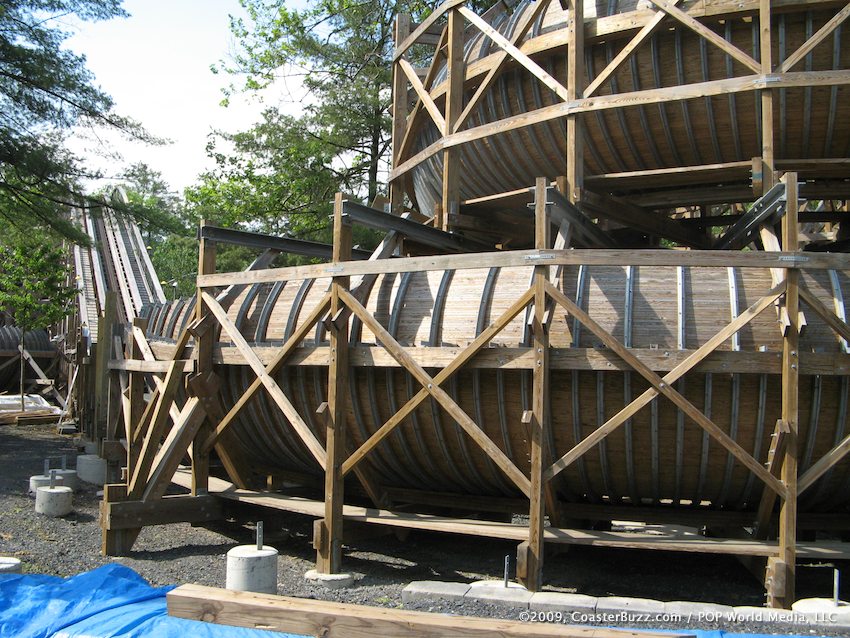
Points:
(507, 568)
(259, 535)
(52, 479)
(46, 467)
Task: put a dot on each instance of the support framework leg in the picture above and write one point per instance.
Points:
(329, 538)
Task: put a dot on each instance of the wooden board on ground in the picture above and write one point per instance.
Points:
(337, 620)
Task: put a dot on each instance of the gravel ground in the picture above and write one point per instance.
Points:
(182, 553)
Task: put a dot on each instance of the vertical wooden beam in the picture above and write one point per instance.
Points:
(782, 572)
(136, 401)
(454, 107)
(575, 89)
(329, 549)
(767, 132)
(103, 352)
(400, 105)
(204, 345)
(531, 570)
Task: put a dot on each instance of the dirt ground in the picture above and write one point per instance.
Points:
(182, 553)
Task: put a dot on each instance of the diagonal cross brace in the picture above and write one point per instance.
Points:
(431, 386)
(301, 428)
(662, 386)
(281, 356)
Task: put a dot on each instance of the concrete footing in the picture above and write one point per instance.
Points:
(91, 469)
(69, 478)
(10, 565)
(250, 568)
(54, 501)
(40, 480)
(330, 581)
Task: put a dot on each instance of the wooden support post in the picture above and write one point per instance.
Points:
(136, 402)
(575, 89)
(781, 573)
(532, 574)
(400, 105)
(204, 345)
(768, 164)
(329, 549)
(454, 106)
(103, 353)
(115, 542)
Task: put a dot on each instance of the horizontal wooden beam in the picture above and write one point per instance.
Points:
(707, 259)
(158, 367)
(168, 509)
(743, 84)
(343, 620)
(657, 359)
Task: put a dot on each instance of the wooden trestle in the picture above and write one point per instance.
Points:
(187, 377)
(200, 424)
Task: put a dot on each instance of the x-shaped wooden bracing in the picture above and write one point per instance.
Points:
(431, 386)
(662, 386)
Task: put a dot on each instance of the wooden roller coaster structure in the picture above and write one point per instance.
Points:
(585, 374)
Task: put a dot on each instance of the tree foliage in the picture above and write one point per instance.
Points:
(45, 92)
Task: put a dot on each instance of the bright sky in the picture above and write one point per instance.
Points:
(156, 65)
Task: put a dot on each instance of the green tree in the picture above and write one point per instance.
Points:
(149, 198)
(33, 289)
(45, 92)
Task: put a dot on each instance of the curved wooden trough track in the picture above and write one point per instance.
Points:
(661, 312)
(535, 381)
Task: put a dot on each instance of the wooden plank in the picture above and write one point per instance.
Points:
(455, 69)
(625, 53)
(785, 595)
(743, 84)
(509, 531)
(338, 620)
(832, 320)
(521, 58)
(683, 368)
(502, 56)
(823, 465)
(775, 459)
(136, 402)
(168, 509)
(458, 362)
(148, 355)
(424, 27)
(432, 387)
(329, 551)
(427, 102)
(505, 259)
(407, 131)
(298, 424)
(41, 375)
(173, 449)
(155, 367)
(792, 60)
(155, 431)
(532, 574)
(708, 34)
(399, 91)
(665, 390)
(101, 366)
(280, 357)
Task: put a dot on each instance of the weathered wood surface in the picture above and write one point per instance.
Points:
(344, 620)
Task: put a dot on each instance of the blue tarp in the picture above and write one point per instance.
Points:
(115, 602)
(109, 602)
